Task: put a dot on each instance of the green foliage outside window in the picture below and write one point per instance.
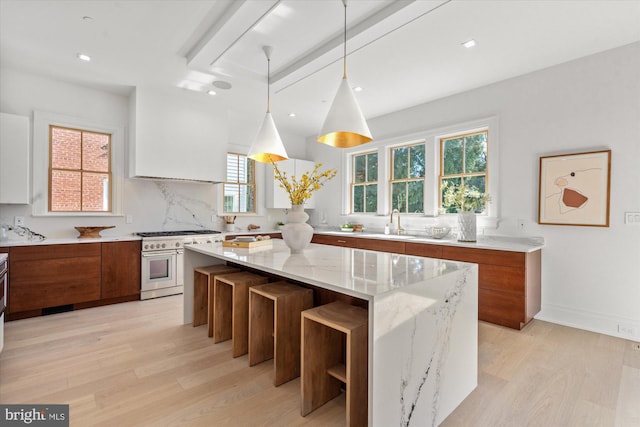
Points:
(364, 183)
(464, 171)
(407, 180)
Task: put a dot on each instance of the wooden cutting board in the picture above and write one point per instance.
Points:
(236, 244)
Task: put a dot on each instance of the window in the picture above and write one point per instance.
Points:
(411, 168)
(239, 190)
(407, 178)
(364, 183)
(463, 161)
(79, 170)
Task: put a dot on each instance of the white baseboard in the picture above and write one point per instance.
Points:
(589, 321)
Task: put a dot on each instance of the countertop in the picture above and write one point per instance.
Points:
(502, 243)
(3, 257)
(67, 241)
(357, 272)
(71, 240)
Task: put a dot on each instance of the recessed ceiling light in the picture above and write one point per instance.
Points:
(469, 43)
(221, 84)
(83, 57)
(357, 89)
(212, 92)
(292, 114)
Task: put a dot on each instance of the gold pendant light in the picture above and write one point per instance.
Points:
(345, 125)
(268, 147)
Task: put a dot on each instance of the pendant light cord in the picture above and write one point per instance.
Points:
(344, 75)
(268, 84)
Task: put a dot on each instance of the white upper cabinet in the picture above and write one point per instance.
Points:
(177, 136)
(14, 159)
(276, 197)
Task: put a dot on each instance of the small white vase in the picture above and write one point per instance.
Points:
(466, 226)
(296, 233)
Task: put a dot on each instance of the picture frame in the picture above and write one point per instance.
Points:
(574, 189)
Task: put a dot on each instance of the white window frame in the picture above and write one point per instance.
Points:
(389, 181)
(41, 122)
(431, 138)
(352, 182)
(259, 180)
(254, 184)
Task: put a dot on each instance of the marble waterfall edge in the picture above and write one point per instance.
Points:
(426, 341)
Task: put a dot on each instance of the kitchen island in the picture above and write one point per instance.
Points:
(423, 326)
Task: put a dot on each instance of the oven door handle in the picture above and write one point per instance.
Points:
(158, 253)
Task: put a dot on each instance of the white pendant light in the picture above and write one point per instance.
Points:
(267, 146)
(345, 125)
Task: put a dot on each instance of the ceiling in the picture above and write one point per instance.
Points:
(402, 53)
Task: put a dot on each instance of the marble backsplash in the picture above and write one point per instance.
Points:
(151, 205)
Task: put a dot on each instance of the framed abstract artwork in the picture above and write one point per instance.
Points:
(574, 189)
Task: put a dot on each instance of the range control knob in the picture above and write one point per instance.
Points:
(164, 245)
(146, 246)
(177, 244)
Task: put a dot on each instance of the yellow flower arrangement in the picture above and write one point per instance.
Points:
(300, 190)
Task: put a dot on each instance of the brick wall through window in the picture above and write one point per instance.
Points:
(80, 171)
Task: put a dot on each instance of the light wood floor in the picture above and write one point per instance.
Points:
(135, 364)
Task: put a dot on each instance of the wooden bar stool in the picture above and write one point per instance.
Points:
(274, 327)
(202, 285)
(334, 352)
(230, 308)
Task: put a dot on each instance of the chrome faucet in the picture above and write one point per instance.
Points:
(399, 228)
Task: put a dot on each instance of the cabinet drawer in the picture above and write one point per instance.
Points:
(484, 256)
(500, 278)
(349, 242)
(501, 308)
(53, 282)
(423, 249)
(38, 252)
(381, 245)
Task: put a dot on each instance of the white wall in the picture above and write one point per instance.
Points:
(153, 205)
(590, 275)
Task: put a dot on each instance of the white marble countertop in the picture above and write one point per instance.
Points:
(502, 243)
(67, 241)
(3, 257)
(356, 272)
(70, 240)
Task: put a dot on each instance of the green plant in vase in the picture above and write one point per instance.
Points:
(467, 201)
(463, 198)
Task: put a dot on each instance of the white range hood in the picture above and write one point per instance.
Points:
(177, 136)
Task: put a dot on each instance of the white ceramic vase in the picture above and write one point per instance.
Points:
(296, 233)
(466, 226)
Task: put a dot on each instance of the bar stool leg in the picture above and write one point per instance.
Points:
(261, 327)
(240, 319)
(222, 319)
(317, 386)
(287, 336)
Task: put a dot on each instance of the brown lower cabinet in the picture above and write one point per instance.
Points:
(46, 277)
(508, 282)
(120, 269)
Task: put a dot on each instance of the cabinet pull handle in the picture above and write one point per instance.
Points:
(342, 241)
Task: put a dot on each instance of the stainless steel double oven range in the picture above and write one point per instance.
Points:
(163, 260)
